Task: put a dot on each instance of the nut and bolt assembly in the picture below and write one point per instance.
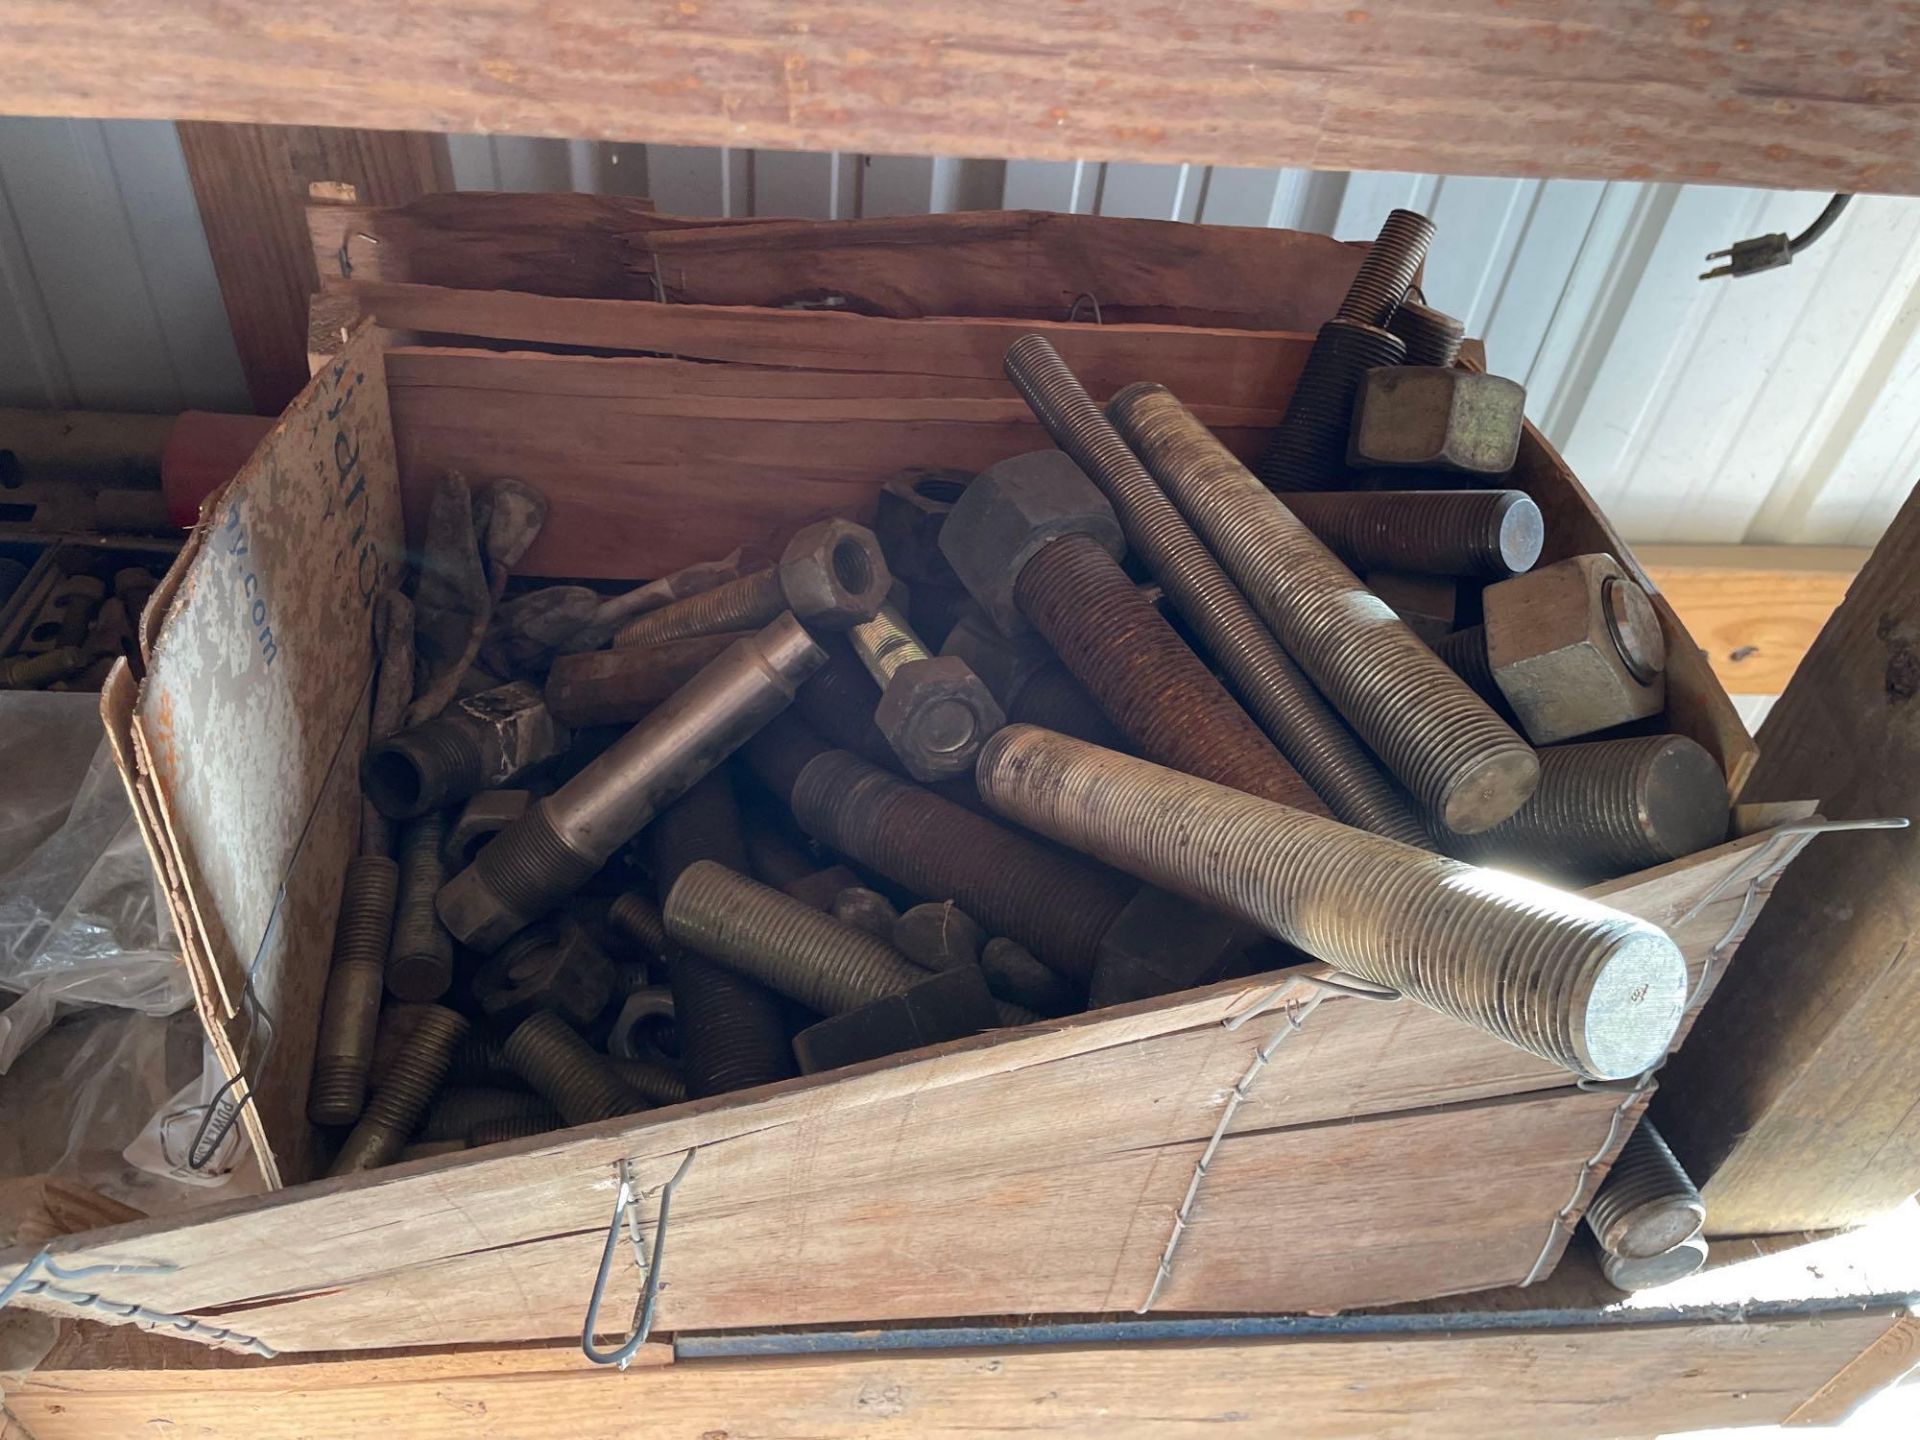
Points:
(1307, 731)
(1578, 984)
(478, 742)
(1646, 1205)
(576, 1079)
(400, 1102)
(564, 839)
(1461, 762)
(350, 1014)
(29, 672)
(934, 712)
(831, 575)
(1488, 534)
(420, 962)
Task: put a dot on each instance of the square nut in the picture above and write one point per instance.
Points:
(1575, 647)
(1437, 417)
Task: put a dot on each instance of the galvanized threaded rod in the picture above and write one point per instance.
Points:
(1152, 686)
(1488, 534)
(824, 963)
(1560, 976)
(1289, 709)
(1439, 739)
(1647, 1204)
(885, 643)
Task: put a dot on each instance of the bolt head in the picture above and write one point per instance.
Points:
(552, 966)
(907, 518)
(936, 713)
(833, 574)
(1438, 417)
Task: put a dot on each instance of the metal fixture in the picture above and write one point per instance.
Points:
(29, 672)
(477, 743)
(420, 962)
(480, 819)
(1569, 980)
(350, 1014)
(1437, 417)
(1437, 737)
(551, 965)
(1676, 1264)
(617, 687)
(458, 1108)
(400, 1101)
(933, 711)
(648, 1005)
(1387, 272)
(866, 910)
(1487, 534)
(1432, 337)
(1646, 1205)
(651, 1081)
(939, 935)
(575, 1078)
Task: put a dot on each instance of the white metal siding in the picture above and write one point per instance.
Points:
(1783, 408)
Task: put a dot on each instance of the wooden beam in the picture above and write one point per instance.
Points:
(1754, 609)
(251, 182)
(1797, 1100)
(1740, 92)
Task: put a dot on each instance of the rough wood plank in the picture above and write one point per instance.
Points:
(1217, 367)
(1815, 96)
(251, 183)
(1802, 1101)
(1573, 1384)
(1881, 1364)
(1756, 609)
(1027, 264)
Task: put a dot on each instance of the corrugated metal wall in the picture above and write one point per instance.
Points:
(1780, 409)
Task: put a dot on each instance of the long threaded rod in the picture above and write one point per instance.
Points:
(747, 603)
(1569, 980)
(1385, 275)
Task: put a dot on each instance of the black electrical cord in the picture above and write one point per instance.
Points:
(1770, 252)
(1822, 223)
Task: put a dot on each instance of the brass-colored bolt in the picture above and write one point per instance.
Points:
(399, 1104)
(29, 672)
(350, 1014)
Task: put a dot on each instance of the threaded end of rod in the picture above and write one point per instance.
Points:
(1488, 534)
(1432, 337)
(636, 921)
(1393, 259)
(838, 700)
(426, 767)
(732, 1036)
(575, 1079)
(528, 867)
(885, 643)
(1647, 1204)
(25, 671)
(456, 1110)
(654, 1083)
(747, 603)
(397, 1106)
(339, 1090)
(420, 963)
(479, 1059)
(350, 1012)
(1585, 987)
(1308, 448)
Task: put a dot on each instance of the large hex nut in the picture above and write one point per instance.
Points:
(1575, 647)
(1439, 417)
(907, 518)
(1009, 513)
(550, 966)
(481, 818)
(936, 713)
(1161, 943)
(833, 574)
(1004, 663)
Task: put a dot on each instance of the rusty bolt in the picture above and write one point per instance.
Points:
(1432, 337)
(350, 1014)
(655, 1083)
(458, 1108)
(478, 742)
(1440, 740)
(1394, 258)
(400, 1102)
(1438, 417)
(939, 935)
(1646, 1205)
(866, 910)
(575, 1079)
(613, 687)
(1482, 534)
(30, 672)
(420, 962)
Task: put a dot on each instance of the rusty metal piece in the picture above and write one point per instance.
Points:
(549, 966)
(478, 742)
(1438, 417)
(939, 935)
(1646, 1205)
(458, 1108)
(1565, 978)
(1426, 604)
(1016, 976)
(1387, 273)
(1432, 337)
(1308, 448)
(866, 910)
(1481, 534)
(30, 672)
(420, 962)
(1440, 740)
(948, 1006)
(830, 575)
(819, 889)
(1054, 700)
(655, 1083)
(350, 1014)
(1609, 807)
(1572, 648)
(571, 1074)
(839, 699)
(135, 585)
(480, 819)
(1663, 1269)
(613, 687)
(907, 517)
(1162, 943)
(564, 839)
(1310, 736)
(1027, 678)
(397, 1106)
(1052, 903)
(933, 711)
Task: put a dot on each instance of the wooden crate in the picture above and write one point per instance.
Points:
(1386, 1154)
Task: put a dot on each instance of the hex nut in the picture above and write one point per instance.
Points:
(1575, 647)
(1004, 663)
(626, 1040)
(907, 518)
(833, 574)
(549, 966)
(481, 818)
(1012, 510)
(935, 713)
(1161, 943)
(1435, 416)
(948, 1005)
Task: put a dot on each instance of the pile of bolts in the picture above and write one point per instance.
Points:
(1100, 723)
(83, 620)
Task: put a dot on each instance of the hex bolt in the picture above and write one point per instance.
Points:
(350, 1014)
(1308, 448)
(830, 575)
(30, 672)
(1429, 417)
(939, 935)
(420, 962)
(1385, 276)
(1482, 534)
(866, 910)
(458, 1108)
(1681, 1261)
(1646, 1205)
(1609, 807)
(733, 1035)
(1432, 337)
(478, 742)
(1054, 904)
(824, 963)
(400, 1102)
(1439, 739)
(644, 1005)
(1563, 977)
(564, 839)
(1033, 537)
(653, 1082)
(617, 687)
(575, 1078)
(933, 711)
(1015, 977)
(1308, 733)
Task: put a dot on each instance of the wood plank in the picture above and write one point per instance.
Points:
(251, 183)
(1649, 92)
(1802, 1104)
(1755, 609)
(1218, 367)
(1025, 264)
(1603, 1382)
(620, 447)
(1881, 1364)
